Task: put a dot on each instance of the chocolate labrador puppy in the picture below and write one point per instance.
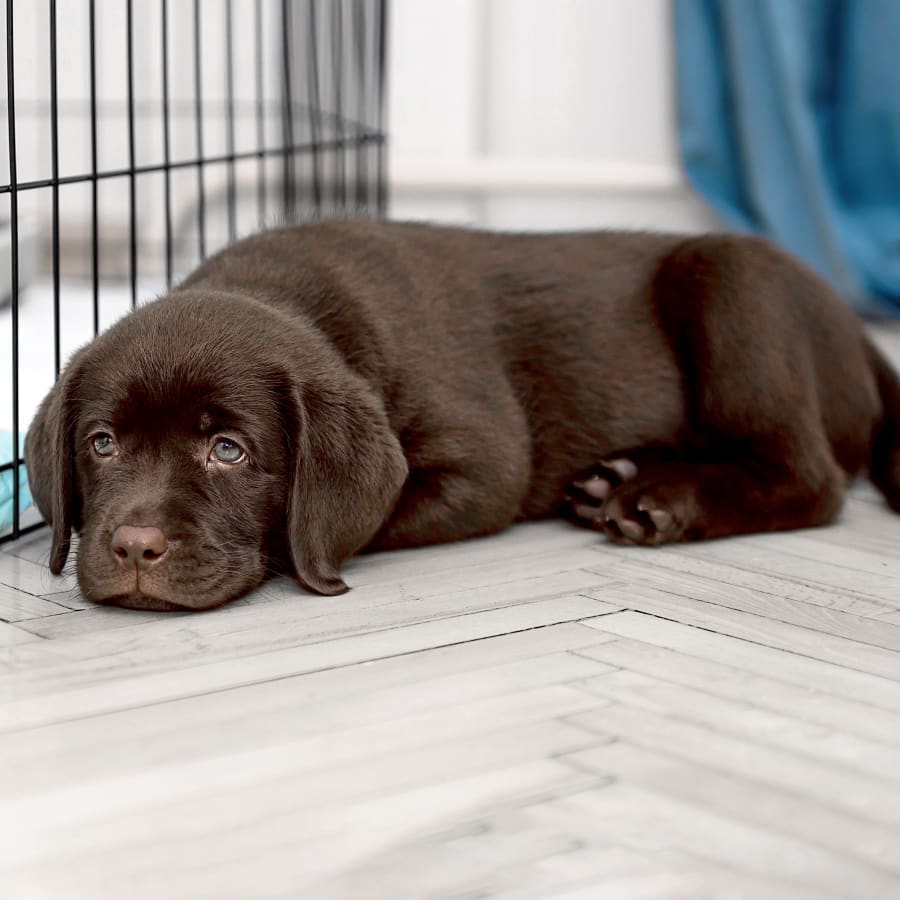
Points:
(316, 390)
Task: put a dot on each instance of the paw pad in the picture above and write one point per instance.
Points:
(590, 492)
(597, 485)
(661, 518)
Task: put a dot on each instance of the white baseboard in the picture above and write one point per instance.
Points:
(546, 194)
(494, 175)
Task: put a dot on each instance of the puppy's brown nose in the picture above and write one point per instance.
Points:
(139, 546)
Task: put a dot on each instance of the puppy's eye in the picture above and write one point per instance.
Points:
(226, 451)
(104, 445)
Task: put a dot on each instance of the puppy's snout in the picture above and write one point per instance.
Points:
(139, 546)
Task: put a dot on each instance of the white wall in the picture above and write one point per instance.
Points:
(535, 114)
(506, 113)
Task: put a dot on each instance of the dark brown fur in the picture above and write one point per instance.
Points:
(397, 385)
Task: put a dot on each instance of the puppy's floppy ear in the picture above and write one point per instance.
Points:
(50, 460)
(348, 469)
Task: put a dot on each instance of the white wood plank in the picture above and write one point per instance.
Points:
(92, 620)
(867, 798)
(105, 688)
(878, 633)
(29, 653)
(387, 717)
(745, 799)
(589, 869)
(165, 641)
(31, 577)
(658, 886)
(143, 725)
(17, 606)
(72, 599)
(519, 542)
(800, 702)
(748, 722)
(801, 640)
(684, 565)
(495, 864)
(865, 525)
(12, 636)
(690, 878)
(229, 845)
(511, 856)
(808, 545)
(496, 733)
(648, 821)
(820, 571)
(34, 547)
(870, 690)
(472, 574)
(465, 861)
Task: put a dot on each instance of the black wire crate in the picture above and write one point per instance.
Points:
(144, 135)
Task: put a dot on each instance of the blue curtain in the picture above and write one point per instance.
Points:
(789, 122)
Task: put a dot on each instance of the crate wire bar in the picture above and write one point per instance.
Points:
(304, 139)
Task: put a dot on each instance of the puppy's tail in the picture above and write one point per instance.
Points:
(884, 463)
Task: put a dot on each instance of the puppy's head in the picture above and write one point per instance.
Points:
(204, 442)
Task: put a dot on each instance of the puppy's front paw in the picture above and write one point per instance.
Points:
(633, 508)
(588, 495)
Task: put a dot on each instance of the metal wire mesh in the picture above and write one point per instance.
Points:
(144, 136)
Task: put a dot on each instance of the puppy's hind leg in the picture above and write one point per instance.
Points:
(756, 456)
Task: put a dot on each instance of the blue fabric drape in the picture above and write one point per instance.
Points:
(789, 122)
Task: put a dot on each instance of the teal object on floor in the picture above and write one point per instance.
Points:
(789, 123)
(6, 482)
